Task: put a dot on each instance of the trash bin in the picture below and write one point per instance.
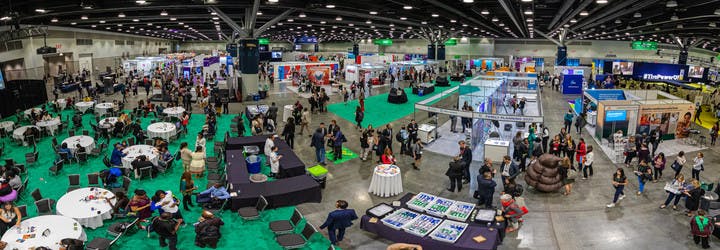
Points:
(253, 164)
(709, 196)
(251, 150)
(319, 174)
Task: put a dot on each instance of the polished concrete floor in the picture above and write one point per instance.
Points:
(577, 221)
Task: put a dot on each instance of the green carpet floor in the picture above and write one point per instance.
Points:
(236, 233)
(378, 111)
(346, 156)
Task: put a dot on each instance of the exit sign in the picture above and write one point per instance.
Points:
(263, 41)
(644, 45)
(451, 42)
(383, 42)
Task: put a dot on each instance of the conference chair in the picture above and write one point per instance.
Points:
(213, 167)
(22, 188)
(131, 141)
(292, 241)
(23, 211)
(145, 172)
(118, 228)
(100, 243)
(97, 151)
(44, 207)
(106, 161)
(56, 167)
(74, 182)
(93, 179)
(149, 142)
(71, 133)
(82, 157)
(31, 158)
(85, 132)
(125, 187)
(286, 226)
(215, 177)
(253, 213)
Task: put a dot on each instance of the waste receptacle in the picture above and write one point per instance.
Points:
(253, 164)
(709, 196)
(319, 174)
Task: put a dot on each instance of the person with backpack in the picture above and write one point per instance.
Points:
(580, 123)
(512, 212)
(207, 231)
(701, 227)
(359, 116)
(679, 163)
(166, 227)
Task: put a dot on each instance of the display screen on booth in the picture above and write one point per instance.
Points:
(276, 54)
(659, 71)
(695, 71)
(2, 80)
(622, 68)
(615, 115)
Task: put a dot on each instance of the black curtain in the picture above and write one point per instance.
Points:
(22, 95)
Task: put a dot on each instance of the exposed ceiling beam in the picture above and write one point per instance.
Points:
(461, 14)
(511, 12)
(573, 13)
(251, 16)
(230, 22)
(566, 5)
(549, 38)
(273, 21)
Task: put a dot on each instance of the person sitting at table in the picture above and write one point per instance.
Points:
(64, 149)
(118, 130)
(213, 197)
(7, 193)
(140, 206)
(9, 216)
(13, 179)
(123, 118)
(121, 203)
(117, 155)
(207, 230)
(46, 116)
(160, 143)
(79, 149)
(165, 157)
(197, 164)
(111, 178)
(142, 162)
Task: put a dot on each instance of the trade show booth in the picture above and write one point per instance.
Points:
(359, 72)
(320, 73)
(145, 66)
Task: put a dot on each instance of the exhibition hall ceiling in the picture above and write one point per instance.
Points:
(694, 22)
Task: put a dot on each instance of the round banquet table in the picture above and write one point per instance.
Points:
(102, 108)
(137, 150)
(27, 112)
(90, 213)
(287, 112)
(18, 133)
(50, 125)
(109, 120)
(386, 181)
(7, 125)
(84, 106)
(174, 112)
(62, 103)
(60, 227)
(161, 129)
(85, 141)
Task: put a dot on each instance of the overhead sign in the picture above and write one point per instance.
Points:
(383, 42)
(659, 71)
(615, 115)
(607, 94)
(451, 42)
(263, 41)
(306, 39)
(644, 45)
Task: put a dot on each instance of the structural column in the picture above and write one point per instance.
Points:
(683, 57)
(248, 59)
(356, 52)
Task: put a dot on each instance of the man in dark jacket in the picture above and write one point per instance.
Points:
(486, 189)
(272, 112)
(166, 227)
(455, 173)
(207, 231)
(465, 156)
(338, 139)
(508, 170)
(318, 143)
(338, 220)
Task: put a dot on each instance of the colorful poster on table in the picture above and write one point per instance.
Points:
(319, 75)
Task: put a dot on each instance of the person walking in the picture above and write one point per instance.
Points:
(455, 173)
(207, 230)
(659, 166)
(588, 161)
(675, 190)
(367, 141)
(486, 189)
(166, 227)
(289, 132)
(465, 157)
(698, 166)
(701, 227)
(568, 118)
(338, 139)
(630, 151)
(580, 152)
(185, 155)
(679, 163)
(187, 186)
(359, 116)
(337, 221)
(619, 181)
(570, 149)
(304, 121)
(567, 175)
(644, 174)
(417, 154)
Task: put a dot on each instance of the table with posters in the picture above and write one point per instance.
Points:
(49, 125)
(30, 233)
(88, 206)
(176, 112)
(386, 181)
(163, 130)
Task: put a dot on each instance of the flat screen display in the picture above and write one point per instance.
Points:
(615, 115)
(276, 54)
(2, 80)
(298, 47)
(695, 71)
(622, 68)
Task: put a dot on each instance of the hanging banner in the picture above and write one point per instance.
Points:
(319, 75)
(572, 84)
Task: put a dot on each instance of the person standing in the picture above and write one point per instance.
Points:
(166, 227)
(619, 180)
(289, 132)
(318, 142)
(701, 228)
(587, 161)
(412, 128)
(225, 100)
(304, 121)
(545, 137)
(568, 118)
(455, 173)
(698, 166)
(274, 159)
(417, 154)
(338, 139)
(187, 186)
(197, 165)
(713, 133)
(508, 171)
(465, 157)
(679, 163)
(387, 139)
(337, 221)
(359, 116)
(580, 152)
(486, 189)
(453, 123)
(659, 166)
(644, 173)
(693, 197)
(511, 211)
(207, 231)
(567, 175)
(630, 151)
(185, 155)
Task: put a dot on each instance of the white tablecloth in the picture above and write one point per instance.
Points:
(7, 125)
(161, 129)
(137, 150)
(27, 112)
(18, 132)
(50, 125)
(174, 112)
(108, 120)
(103, 108)
(386, 181)
(89, 213)
(287, 112)
(84, 106)
(85, 141)
(62, 103)
(60, 227)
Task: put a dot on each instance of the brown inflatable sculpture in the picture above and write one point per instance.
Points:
(543, 175)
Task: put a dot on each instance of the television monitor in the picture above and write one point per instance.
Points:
(298, 47)
(695, 71)
(622, 68)
(276, 54)
(615, 115)
(2, 80)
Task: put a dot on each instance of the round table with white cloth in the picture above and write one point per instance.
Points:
(30, 233)
(103, 108)
(86, 205)
(108, 122)
(50, 125)
(7, 125)
(27, 112)
(174, 112)
(161, 129)
(386, 181)
(18, 133)
(84, 106)
(85, 141)
(287, 112)
(62, 103)
(137, 150)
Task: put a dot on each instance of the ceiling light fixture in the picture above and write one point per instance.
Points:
(618, 21)
(601, 1)
(407, 7)
(338, 18)
(84, 17)
(637, 15)
(121, 15)
(434, 15)
(674, 17)
(373, 12)
(73, 23)
(403, 18)
(163, 13)
(485, 12)
(584, 13)
(330, 6)
(40, 10)
(573, 21)
(528, 11)
(495, 19)
(140, 2)
(173, 19)
(302, 14)
(368, 22)
(259, 13)
(717, 12)
(102, 21)
(468, 1)
(136, 20)
(671, 4)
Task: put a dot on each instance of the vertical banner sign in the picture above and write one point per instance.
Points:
(440, 52)
(430, 52)
(572, 84)
(249, 56)
(561, 56)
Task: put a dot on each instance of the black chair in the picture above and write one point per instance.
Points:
(215, 177)
(145, 172)
(22, 188)
(93, 179)
(74, 182)
(56, 167)
(149, 142)
(20, 169)
(65, 156)
(131, 141)
(106, 161)
(85, 132)
(213, 167)
(125, 187)
(99, 243)
(291, 241)
(44, 207)
(71, 133)
(31, 158)
(119, 228)
(97, 151)
(82, 157)
(23, 211)
(253, 213)
(286, 226)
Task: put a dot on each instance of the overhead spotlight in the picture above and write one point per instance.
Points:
(584, 13)
(338, 18)
(40, 10)
(671, 4)
(573, 20)
(302, 14)
(102, 21)
(528, 11)
(485, 12)
(330, 6)
(618, 21)
(259, 13)
(73, 23)
(163, 13)
(173, 19)
(637, 15)
(136, 20)
(679, 26)
(529, 20)
(434, 15)
(403, 18)
(368, 22)
(273, 1)
(601, 1)
(468, 1)
(526, 1)
(495, 19)
(291, 20)
(140, 2)
(453, 21)
(407, 7)
(84, 17)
